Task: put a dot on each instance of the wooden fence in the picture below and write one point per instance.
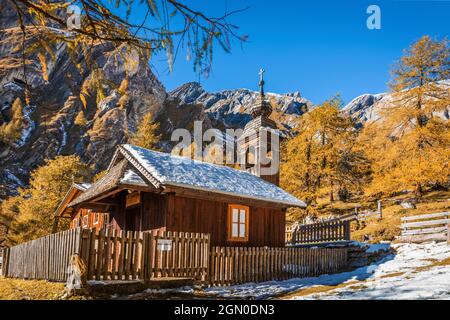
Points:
(112, 255)
(43, 258)
(425, 227)
(232, 265)
(328, 231)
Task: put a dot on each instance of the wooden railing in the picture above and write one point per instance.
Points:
(425, 227)
(328, 231)
(232, 265)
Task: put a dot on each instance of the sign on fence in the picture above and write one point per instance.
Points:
(164, 244)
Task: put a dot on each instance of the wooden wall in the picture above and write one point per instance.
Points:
(78, 219)
(266, 226)
(150, 214)
(183, 214)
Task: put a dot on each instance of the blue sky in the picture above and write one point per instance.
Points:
(319, 48)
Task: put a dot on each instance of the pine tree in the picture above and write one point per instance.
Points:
(80, 119)
(146, 136)
(10, 132)
(37, 203)
(410, 149)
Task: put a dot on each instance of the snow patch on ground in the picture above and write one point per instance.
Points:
(412, 273)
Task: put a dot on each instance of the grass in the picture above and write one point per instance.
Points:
(18, 289)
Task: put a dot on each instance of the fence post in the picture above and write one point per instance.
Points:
(380, 209)
(5, 253)
(346, 230)
(448, 233)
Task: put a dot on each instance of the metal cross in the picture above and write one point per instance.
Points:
(261, 73)
(261, 81)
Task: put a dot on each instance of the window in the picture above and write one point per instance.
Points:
(75, 223)
(96, 217)
(238, 222)
(85, 221)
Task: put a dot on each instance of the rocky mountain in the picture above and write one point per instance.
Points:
(231, 108)
(111, 111)
(368, 107)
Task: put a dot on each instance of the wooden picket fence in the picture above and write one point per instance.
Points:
(327, 231)
(112, 255)
(425, 227)
(233, 265)
(130, 255)
(43, 258)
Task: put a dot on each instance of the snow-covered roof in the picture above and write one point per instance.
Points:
(82, 186)
(131, 177)
(171, 170)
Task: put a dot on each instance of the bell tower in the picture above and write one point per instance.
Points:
(259, 144)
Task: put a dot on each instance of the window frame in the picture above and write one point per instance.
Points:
(85, 221)
(230, 222)
(96, 218)
(75, 222)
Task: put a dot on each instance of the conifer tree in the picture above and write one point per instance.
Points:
(80, 119)
(410, 148)
(11, 130)
(146, 135)
(32, 211)
(322, 159)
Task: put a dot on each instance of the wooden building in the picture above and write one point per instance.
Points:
(147, 190)
(81, 217)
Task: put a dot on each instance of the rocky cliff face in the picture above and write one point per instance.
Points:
(368, 107)
(231, 108)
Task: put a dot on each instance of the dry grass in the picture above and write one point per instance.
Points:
(435, 263)
(17, 289)
(316, 290)
(389, 227)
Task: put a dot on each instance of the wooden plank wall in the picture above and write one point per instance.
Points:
(266, 227)
(328, 231)
(44, 258)
(233, 265)
(425, 227)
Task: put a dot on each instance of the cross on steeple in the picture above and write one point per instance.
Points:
(261, 81)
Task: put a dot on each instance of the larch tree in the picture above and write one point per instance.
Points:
(31, 212)
(167, 26)
(10, 131)
(80, 119)
(322, 159)
(146, 135)
(410, 148)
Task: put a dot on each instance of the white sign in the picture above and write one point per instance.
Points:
(164, 245)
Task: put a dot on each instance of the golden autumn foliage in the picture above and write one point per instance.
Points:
(323, 159)
(32, 210)
(80, 119)
(410, 149)
(11, 130)
(146, 134)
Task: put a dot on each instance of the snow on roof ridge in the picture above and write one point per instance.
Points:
(208, 176)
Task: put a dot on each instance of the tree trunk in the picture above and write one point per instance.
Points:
(419, 190)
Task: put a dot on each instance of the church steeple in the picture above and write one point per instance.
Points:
(262, 106)
(259, 143)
